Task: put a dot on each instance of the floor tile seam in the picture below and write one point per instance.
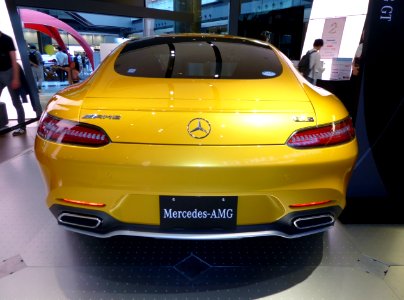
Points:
(30, 149)
(50, 266)
(387, 262)
(361, 252)
(395, 265)
(392, 288)
(358, 268)
(140, 266)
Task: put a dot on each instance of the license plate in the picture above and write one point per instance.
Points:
(185, 212)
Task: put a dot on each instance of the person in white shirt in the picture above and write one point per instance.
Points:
(63, 65)
(316, 65)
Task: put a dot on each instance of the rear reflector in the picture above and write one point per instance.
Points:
(314, 203)
(69, 132)
(329, 135)
(80, 202)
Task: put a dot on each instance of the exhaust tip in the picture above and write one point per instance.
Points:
(313, 221)
(79, 220)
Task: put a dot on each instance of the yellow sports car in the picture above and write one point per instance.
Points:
(196, 136)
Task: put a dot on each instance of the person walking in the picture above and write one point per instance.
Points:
(316, 65)
(10, 78)
(36, 61)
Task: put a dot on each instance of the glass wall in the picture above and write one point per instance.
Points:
(283, 23)
(213, 15)
(209, 15)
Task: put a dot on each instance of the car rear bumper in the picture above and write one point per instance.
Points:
(272, 185)
(99, 224)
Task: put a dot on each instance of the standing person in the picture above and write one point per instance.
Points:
(75, 74)
(63, 65)
(316, 65)
(61, 60)
(83, 63)
(24, 89)
(36, 61)
(10, 78)
(78, 64)
(355, 80)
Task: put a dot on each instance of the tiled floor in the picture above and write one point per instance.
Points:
(40, 260)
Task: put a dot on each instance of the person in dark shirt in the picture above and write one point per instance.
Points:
(10, 78)
(36, 61)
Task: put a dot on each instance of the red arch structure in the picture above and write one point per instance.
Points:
(49, 25)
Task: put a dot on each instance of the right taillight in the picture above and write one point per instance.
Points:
(332, 134)
(70, 132)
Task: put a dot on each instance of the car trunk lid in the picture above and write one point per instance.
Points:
(203, 112)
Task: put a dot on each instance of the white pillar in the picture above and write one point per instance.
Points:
(148, 27)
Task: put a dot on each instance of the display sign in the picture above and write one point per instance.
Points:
(341, 68)
(332, 35)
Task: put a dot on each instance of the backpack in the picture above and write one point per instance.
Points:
(304, 63)
(39, 58)
(33, 58)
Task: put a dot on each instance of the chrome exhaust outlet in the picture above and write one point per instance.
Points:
(79, 220)
(313, 221)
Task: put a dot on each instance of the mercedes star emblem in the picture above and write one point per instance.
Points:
(198, 128)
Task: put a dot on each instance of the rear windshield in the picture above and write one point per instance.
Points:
(174, 57)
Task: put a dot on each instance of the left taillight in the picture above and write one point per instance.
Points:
(329, 135)
(70, 132)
